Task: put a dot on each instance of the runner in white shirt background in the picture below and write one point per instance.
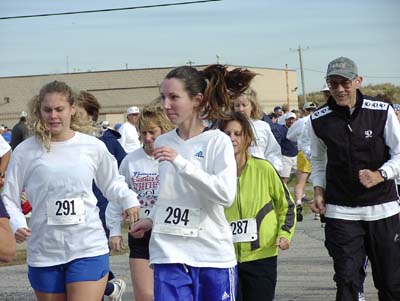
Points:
(67, 250)
(303, 164)
(129, 136)
(140, 170)
(265, 146)
(5, 154)
(191, 246)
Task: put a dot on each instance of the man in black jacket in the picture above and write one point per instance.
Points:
(20, 131)
(355, 157)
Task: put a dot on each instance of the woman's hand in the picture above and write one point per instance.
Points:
(165, 154)
(138, 229)
(282, 243)
(116, 243)
(22, 234)
(132, 214)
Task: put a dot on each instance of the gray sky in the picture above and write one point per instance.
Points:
(256, 33)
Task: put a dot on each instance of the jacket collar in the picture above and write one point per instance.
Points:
(345, 111)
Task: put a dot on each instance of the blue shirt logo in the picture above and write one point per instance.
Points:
(199, 154)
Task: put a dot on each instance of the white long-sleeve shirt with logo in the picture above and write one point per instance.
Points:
(62, 176)
(200, 181)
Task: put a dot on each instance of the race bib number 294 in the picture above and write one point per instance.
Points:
(177, 220)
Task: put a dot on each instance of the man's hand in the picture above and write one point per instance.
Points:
(370, 178)
(317, 205)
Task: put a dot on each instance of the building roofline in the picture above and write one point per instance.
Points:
(133, 69)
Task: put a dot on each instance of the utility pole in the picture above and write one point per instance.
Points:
(299, 49)
(190, 63)
(287, 84)
(217, 58)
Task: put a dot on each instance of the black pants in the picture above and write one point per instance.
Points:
(257, 279)
(348, 242)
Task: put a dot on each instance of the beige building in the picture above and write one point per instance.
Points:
(118, 89)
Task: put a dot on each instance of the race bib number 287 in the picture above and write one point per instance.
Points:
(244, 230)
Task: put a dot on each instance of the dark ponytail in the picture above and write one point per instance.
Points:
(216, 83)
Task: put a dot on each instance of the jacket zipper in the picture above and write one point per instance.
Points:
(239, 245)
(350, 153)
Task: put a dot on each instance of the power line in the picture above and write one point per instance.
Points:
(106, 10)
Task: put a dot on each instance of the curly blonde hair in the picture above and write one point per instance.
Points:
(155, 114)
(251, 95)
(39, 128)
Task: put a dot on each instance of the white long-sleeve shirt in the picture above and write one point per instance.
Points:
(129, 137)
(266, 146)
(296, 130)
(58, 184)
(194, 189)
(141, 174)
(4, 146)
(392, 168)
(305, 140)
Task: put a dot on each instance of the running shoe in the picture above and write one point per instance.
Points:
(119, 289)
(361, 297)
(299, 212)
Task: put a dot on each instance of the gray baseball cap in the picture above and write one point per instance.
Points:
(342, 66)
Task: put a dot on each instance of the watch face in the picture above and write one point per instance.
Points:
(383, 174)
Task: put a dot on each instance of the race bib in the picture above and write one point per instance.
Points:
(66, 211)
(177, 220)
(244, 230)
(145, 211)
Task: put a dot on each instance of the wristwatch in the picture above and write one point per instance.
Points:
(383, 174)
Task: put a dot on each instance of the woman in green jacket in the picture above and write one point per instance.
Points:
(262, 216)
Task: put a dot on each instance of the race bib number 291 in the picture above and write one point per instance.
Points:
(177, 220)
(66, 211)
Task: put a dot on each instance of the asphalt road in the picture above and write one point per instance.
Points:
(304, 271)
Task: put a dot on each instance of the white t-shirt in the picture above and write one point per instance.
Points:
(59, 186)
(296, 130)
(266, 146)
(194, 189)
(141, 174)
(129, 137)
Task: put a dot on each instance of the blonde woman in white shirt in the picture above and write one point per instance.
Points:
(67, 249)
(140, 170)
(265, 146)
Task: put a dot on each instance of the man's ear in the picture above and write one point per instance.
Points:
(359, 80)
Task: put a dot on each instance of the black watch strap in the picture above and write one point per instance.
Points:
(383, 174)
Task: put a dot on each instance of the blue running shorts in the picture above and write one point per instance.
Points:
(54, 279)
(177, 282)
